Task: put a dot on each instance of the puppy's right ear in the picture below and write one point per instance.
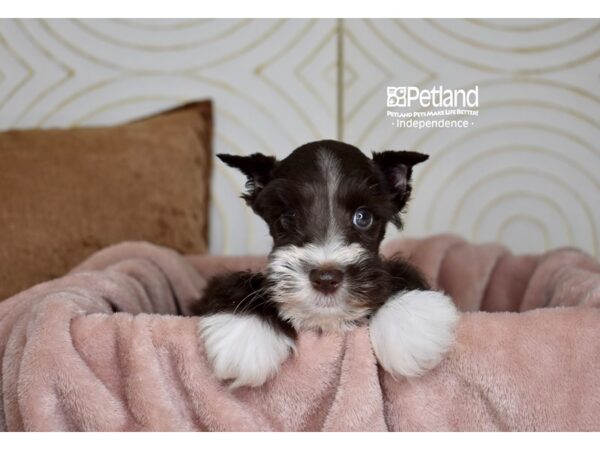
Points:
(258, 169)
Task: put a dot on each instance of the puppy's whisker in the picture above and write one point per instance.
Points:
(252, 294)
(251, 305)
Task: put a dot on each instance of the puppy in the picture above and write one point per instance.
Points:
(327, 206)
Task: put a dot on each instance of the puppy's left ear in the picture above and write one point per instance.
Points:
(397, 168)
(257, 168)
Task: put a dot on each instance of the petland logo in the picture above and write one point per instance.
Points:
(434, 106)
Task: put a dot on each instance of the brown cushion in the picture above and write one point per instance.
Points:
(66, 193)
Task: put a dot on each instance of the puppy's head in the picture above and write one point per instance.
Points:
(327, 206)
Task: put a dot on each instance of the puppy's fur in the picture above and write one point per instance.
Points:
(327, 206)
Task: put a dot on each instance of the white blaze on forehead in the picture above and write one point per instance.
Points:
(331, 172)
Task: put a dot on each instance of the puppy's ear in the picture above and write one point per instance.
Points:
(397, 169)
(257, 168)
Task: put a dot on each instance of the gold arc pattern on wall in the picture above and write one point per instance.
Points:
(576, 106)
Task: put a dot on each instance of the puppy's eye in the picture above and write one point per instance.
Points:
(287, 218)
(362, 219)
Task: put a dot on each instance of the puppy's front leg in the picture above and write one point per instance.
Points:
(244, 338)
(412, 331)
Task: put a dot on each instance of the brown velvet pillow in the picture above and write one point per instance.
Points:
(66, 193)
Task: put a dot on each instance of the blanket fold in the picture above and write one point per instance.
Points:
(110, 347)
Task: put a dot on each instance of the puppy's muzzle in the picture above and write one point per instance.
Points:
(326, 279)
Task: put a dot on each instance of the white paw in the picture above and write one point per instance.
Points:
(412, 331)
(243, 348)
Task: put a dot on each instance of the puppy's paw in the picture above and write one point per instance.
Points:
(412, 331)
(243, 348)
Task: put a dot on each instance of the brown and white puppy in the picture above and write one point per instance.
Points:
(327, 206)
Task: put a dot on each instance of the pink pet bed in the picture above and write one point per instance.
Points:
(106, 348)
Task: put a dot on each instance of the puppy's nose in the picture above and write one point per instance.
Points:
(326, 280)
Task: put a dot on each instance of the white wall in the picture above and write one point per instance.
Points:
(527, 174)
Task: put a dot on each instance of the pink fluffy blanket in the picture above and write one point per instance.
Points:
(527, 355)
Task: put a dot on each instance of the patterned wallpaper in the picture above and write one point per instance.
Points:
(526, 174)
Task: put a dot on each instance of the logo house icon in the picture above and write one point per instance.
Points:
(396, 96)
